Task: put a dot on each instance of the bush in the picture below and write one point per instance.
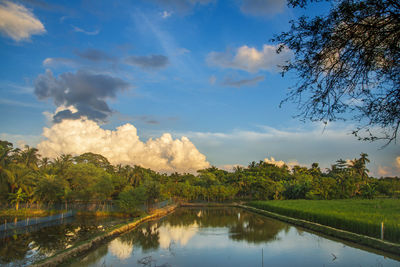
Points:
(130, 198)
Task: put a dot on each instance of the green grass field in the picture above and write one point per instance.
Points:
(355, 215)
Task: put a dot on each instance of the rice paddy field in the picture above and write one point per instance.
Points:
(360, 216)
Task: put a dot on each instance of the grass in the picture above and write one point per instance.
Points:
(355, 215)
(27, 213)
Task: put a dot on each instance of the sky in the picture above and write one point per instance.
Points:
(172, 85)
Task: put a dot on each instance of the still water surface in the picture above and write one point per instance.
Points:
(226, 237)
(25, 246)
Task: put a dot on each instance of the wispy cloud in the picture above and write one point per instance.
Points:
(17, 103)
(166, 14)
(148, 62)
(18, 22)
(15, 88)
(77, 29)
(94, 55)
(318, 144)
(181, 6)
(212, 79)
(59, 61)
(262, 7)
(243, 82)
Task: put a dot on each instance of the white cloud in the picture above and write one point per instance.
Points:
(262, 7)
(250, 59)
(17, 22)
(166, 14)
(122, 145)
(398, 162)
(281, 163)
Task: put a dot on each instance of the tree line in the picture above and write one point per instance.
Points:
(26, 177)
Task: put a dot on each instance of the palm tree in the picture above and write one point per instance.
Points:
(30, 157)
(44, 162)
(17, 197)
(5, 159)
(62, 162)
(359, 166)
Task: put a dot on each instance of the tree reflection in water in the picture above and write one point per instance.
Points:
(183, 224)
(25, 248)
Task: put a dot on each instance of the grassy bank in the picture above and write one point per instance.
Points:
(27, 213)
(111, 214)
(354, 215)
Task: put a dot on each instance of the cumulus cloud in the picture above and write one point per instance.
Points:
(262, 7)
(250, 59)
(122, 145)
(86, 91)
(281, 163)
(18, 22)
(243, 82)
(148, 62)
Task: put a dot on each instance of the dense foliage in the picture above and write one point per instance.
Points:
(27, 178)
(348, 62)
(359, 216)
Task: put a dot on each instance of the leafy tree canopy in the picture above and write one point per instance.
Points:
(348, 62)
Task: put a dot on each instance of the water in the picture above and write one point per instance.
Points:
(25, 246)
(227, 237)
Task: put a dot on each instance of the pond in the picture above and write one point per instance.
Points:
(25, 246)
(227, 237)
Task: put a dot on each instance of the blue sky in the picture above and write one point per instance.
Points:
(203, 69)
